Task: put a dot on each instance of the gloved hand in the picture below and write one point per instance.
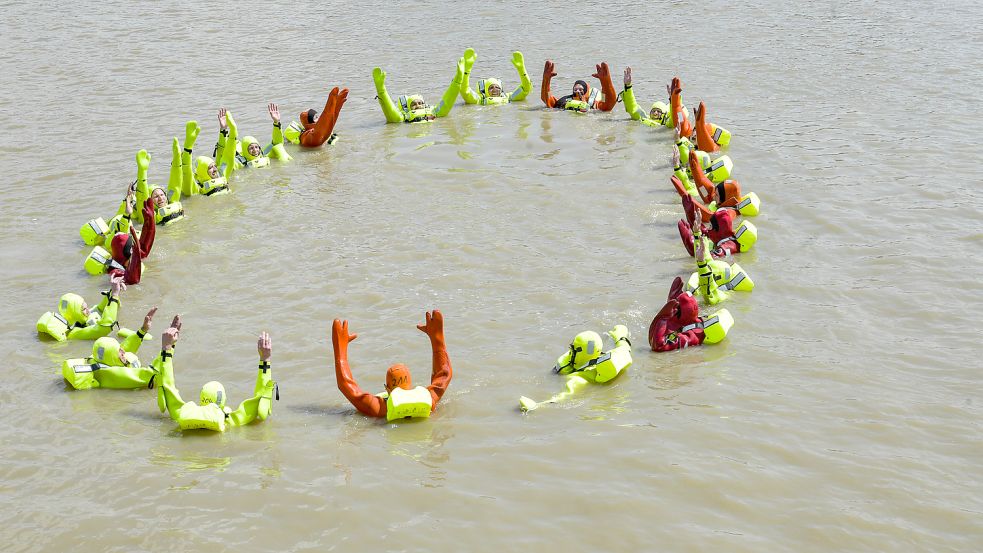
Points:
(379, 76)
(148, 210)
(469, 59)
(459, 75)
(518, 62)
(618, 333)
(191, 131)
(233, 128)
(434, 325)
(549, 70)
(340, 337)
(175, 149)
(143, 160)
(602, 72)
(675, 289)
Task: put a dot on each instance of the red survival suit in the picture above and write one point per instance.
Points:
(666, 331)
(129, 251)
(317, 132)
(375, 406)
(720, 231)
(602, 73)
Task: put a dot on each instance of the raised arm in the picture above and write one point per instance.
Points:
(225, 147)
(275, 149)
(704, 133)
(389, 108)
(107, 308)
(450, 95)
(168, 397)
(469, 95)
(704, 185)
(708, 285)
(133, 342)
(525, 85)
(549, 71)
(678, 112)
(366, 403)
(174, 185)
(229, 154)
(321, 132)
(440, 377)
(628, 96)
(603, 74)
(142, 188)
(261, 404)
(149, 229)
(188, 186)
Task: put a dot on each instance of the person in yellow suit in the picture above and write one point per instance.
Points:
(490, 91)
(411, 108)
(212, 413)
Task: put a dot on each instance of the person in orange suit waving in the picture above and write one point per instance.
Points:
(313, 130)
(401, 399)
(583, 98)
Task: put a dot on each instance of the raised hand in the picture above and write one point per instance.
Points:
(675, 290)
(434, 325)
(191, 131)
(130, 200)
(697, 226)
(148, 210)
(116, 285)
(549, 68)
(627, 76)
(143, 160)
(274, 112)
(618, 332)
(340, 336)
(173, 332)
(379, 76)
(602, 71)
(461, 67)
(469, 59)
(264, 346)
(518, 61)
(222, 123)
(148, 319)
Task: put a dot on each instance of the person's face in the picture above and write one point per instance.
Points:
(213, 171)
(122, 355)
(579, 91)
(494, 90)
(160, 199)
(255, 150)
(417, 104)
(656, 113)
(85, 309)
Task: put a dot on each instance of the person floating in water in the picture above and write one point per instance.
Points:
(401, 399)
(490, 91)
(584, 363)
(411, 108)
(582, 98)
(212, 413)
(313, 130)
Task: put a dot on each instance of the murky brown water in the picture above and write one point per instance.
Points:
(842, 414)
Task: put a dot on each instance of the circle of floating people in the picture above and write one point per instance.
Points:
(714, 229)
